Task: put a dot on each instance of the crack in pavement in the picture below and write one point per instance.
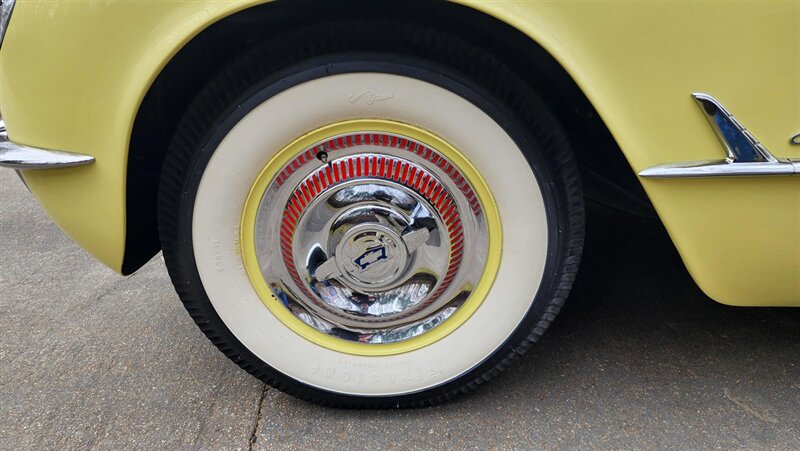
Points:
(747, 408)
(259, 417)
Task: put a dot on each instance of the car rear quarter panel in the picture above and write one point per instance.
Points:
(72, 75)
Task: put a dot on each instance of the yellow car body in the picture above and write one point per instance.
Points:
(73, 76)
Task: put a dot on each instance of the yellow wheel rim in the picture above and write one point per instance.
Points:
(272, 170)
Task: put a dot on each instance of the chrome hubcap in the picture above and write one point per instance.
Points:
(371, 237)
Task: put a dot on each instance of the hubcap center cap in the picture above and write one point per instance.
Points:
(372, 256)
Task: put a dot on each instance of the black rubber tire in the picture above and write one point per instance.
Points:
(375, 46)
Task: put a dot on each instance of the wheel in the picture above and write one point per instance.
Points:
(370, 214)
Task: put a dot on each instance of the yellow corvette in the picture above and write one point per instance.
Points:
(380, 203)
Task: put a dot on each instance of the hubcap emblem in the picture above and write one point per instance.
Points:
(370, 256)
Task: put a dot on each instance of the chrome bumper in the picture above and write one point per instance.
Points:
(16, 156)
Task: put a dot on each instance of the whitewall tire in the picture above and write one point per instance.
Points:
(374, 289)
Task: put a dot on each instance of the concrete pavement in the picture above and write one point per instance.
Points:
(638, 358)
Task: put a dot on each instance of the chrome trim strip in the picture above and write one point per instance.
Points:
(721, 168)
(746, 156)
(16, 156)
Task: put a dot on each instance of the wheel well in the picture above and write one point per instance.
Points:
(606, 175)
